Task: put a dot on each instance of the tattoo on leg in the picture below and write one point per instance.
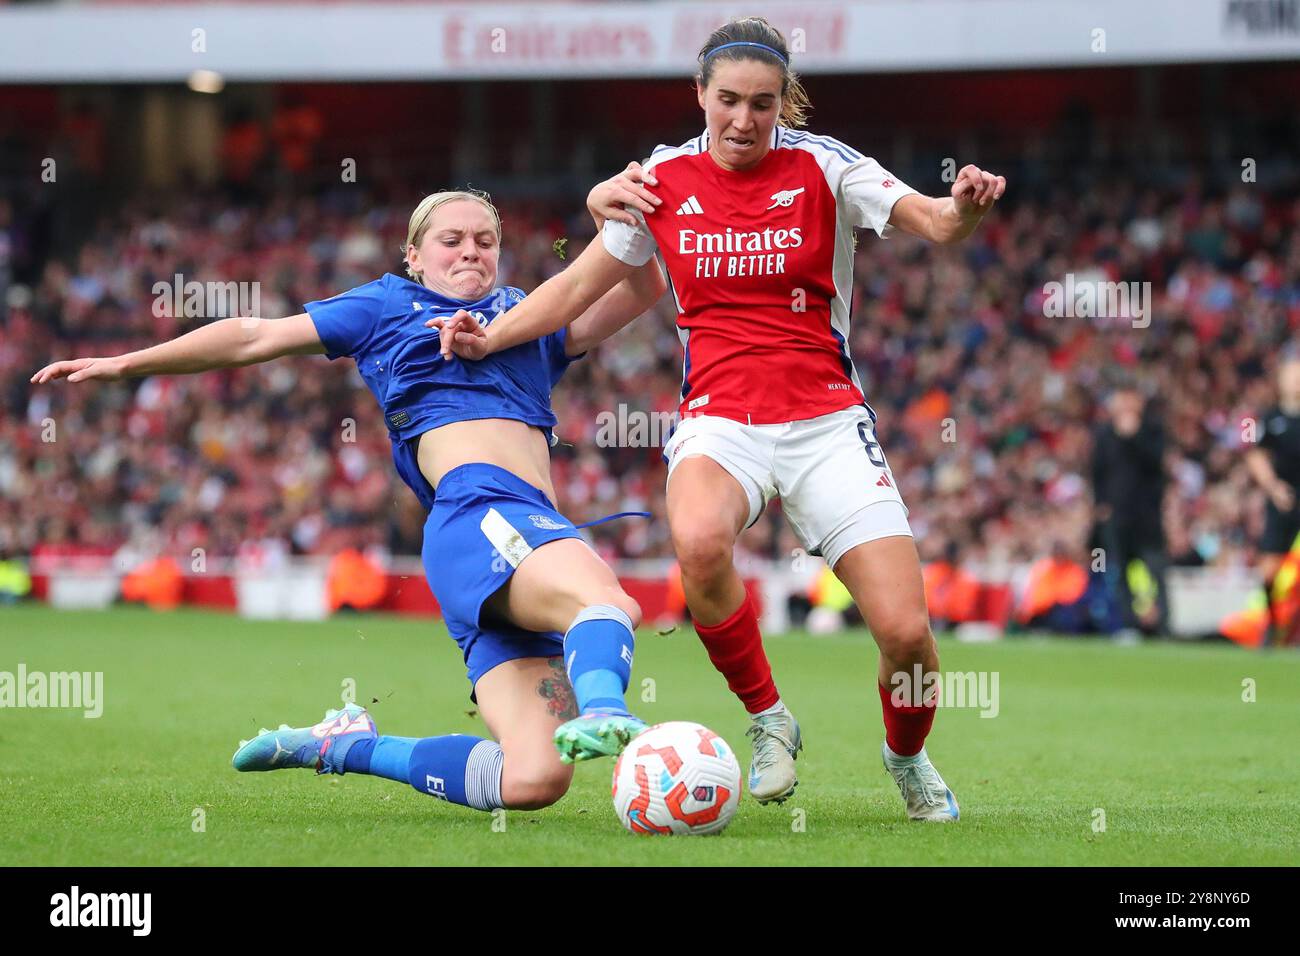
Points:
(557, 693)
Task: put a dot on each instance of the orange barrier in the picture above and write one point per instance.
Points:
(1248, 628)
(158, 583)
(353, 580)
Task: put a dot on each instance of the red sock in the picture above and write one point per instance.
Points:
(736, 648)
(905, 727)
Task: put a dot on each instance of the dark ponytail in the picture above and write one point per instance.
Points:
(757, 39)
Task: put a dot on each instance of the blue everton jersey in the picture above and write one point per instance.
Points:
(381, 326)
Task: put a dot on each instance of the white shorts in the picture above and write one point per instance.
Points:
(829, 472)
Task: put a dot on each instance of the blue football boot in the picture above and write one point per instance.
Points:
(322, 747)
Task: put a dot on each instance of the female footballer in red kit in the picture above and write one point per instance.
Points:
(754, 221)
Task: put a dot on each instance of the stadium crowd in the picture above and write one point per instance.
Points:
(987, 401)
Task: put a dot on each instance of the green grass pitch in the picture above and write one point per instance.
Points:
(1157, 737)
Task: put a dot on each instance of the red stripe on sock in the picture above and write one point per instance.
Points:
(906, 727)
(736, 649)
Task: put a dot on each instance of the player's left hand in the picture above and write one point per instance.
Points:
(975, 191)
(461, 335)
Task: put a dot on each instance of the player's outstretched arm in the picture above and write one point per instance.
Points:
(634, 296)
(226, 343)
(956, 217)
(556, 302)
(618, 307)
(617, 303)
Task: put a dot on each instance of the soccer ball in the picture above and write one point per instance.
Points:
(677, 777)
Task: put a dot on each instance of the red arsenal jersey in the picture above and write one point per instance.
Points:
(760, 262)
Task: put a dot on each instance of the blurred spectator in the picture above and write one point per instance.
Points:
(296, 128)
(951, 593)
(1055, 596)
(243, 149)
(1128, 480)
(1275, 466)
(986, 407)
(15, 581)
(831, 606)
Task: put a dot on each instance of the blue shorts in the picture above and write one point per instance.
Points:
(484, 522)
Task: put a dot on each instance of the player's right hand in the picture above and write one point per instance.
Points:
(1282, 495)
(608, 200)
(81, 370)
(460, 335)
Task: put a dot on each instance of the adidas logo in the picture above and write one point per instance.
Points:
(884, 482)
(691, 207)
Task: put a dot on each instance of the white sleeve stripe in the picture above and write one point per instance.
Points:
(847, 153)
(664, 153)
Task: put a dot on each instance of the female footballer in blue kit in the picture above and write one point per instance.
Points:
(471, 439)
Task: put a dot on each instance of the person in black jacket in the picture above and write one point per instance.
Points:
(1275, 466)
(1128, 481)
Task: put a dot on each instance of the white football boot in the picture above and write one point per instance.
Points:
(926, 795)
(776, 744)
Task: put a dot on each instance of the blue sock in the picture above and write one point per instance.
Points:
(598, 657)
(458, 768)
(381, 757)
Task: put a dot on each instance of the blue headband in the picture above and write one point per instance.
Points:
(762, 46)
